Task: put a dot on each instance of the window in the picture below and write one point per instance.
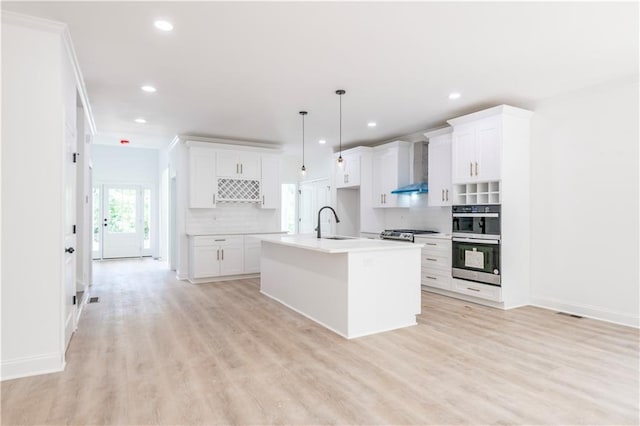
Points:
(288, 216)
(147, 218)
(97, 220)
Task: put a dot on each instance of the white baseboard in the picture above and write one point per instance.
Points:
(223, 278)
(587, 311)
(31, 366)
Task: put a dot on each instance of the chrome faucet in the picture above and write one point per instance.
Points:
(320, 211)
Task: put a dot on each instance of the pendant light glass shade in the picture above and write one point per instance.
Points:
(340, 92)
(303, 169)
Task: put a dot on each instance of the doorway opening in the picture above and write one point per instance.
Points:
(122, 221)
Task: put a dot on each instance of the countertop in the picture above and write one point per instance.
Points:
(323, 245)
(205, 234)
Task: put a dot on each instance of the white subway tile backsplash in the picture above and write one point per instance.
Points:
(232, 218)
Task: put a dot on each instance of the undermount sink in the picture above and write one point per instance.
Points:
(338, 238)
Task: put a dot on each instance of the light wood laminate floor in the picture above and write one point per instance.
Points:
(159, 351)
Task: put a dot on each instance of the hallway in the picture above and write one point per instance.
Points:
(155, 350)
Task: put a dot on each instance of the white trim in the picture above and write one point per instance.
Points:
(497, 110)
(32, 366)
(592, 312)
(62, 29)
(438, 132)
(219, 143)
(484, 302)
(223, 278)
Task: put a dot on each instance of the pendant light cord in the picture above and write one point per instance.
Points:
(340, 125)
(303, 139)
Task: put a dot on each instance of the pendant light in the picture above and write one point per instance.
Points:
(340, 93)
(303, 169)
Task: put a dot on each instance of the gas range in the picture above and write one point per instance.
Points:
(403, 234)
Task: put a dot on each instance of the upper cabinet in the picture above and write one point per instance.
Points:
(347, 175)
(488, 148)
(440, 191)
(219, 175)
(390, 171)
(203, 184)
(238, 165)
(270, 183)
(476, 150)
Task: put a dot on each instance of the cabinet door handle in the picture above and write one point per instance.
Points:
(222, 254)
(447, 194)
(263, 200)
(476, 168)
(431, 278)
(432, 244)
(472, 289)
(242, 172)
(385, 198)
(442, 195)
(218, 254)
(432, 259)
(237, 168)
(470, 169)
(380, 200)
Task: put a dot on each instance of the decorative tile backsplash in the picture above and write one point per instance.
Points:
(232, 218)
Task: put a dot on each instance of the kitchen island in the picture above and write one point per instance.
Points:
(354, 287)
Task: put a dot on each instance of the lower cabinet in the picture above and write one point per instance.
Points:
(251, 255)
(436, 262)
(214, 256)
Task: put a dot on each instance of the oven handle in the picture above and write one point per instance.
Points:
(476, 215)
(475, 240)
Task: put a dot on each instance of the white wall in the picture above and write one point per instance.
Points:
(32, 200)
(419, 215)
(584, 202)
(134, 166)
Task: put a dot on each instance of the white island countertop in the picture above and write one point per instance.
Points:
(326, 245)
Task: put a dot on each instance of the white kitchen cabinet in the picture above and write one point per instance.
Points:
(203, 184)
(436, 262)
(390, 171)
(214, 256)
(251, 254)
(440, 190)
(238, 165)
(476, 149)
(347, 175)
(271, 187)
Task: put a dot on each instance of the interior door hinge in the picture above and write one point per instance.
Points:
(74, 300)
(74, 229)
(75, 157)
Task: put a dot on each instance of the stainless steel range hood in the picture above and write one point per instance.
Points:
(420, 177)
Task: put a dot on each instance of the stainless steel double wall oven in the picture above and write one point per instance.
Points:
(476, 243)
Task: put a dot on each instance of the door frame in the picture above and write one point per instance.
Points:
(153, 217)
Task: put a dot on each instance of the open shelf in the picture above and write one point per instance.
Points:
(477, 193)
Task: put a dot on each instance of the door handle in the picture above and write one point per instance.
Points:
(380, 198)
(442, 195)
(69, 250)
(263, 200)
(476, 168)
(218, 254)
(237, 169)
(385, 198)
(470, 169)
(222, 258)
(447, 194)
(242, 172)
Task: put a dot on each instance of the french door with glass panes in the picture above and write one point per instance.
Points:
(121, 225)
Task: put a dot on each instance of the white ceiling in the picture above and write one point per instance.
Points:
(244, 70)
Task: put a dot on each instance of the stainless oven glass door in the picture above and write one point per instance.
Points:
(476, 260)
(479, 225)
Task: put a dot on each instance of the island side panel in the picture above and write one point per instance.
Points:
(308, 281)
(384, 290)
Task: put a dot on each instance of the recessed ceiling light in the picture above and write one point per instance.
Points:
(140, 120)
(322, 141)
(163, 25)
(148, 89)
(372, 124)
(454, 95)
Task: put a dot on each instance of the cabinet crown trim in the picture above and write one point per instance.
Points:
(438, 132)
(221, 144)
(394, 144)
(497, 110)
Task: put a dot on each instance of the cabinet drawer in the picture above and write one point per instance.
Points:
(216, 240)
(483, 291)
(435, 278)
(433, 245)
(436, 261)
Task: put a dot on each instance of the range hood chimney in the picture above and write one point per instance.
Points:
(420, 177)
